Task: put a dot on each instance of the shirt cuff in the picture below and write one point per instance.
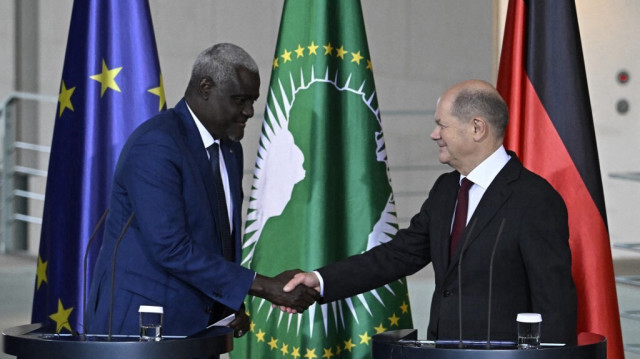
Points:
(321, 282)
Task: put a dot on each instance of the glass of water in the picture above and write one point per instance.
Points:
(529, 330)
(150, 322)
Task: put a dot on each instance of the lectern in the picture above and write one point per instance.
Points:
(38, 341)
(403, 344)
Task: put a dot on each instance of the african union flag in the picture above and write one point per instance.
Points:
(321, 189)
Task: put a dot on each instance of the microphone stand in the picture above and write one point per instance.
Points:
(84, 275)
(493, 253)
(113, 270)
(464, 246)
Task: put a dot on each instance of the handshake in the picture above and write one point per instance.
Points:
(293, 290)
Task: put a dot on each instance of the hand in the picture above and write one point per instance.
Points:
(298, 299)
(308, 279)
(240, 324)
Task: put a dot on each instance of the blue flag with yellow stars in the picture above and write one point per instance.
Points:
(111, 82)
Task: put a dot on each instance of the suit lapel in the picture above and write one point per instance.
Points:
(199, 155)
(493, 199)
(446, 205)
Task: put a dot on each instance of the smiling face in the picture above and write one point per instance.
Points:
(455, 137)
(227, 106)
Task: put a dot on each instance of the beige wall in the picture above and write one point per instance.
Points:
(418, 48)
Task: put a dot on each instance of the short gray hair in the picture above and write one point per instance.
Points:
(220, 63)
(484, 103)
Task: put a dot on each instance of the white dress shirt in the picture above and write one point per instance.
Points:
(482, 176)
(208, 140)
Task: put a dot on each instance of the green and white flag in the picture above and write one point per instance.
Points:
(321, 188)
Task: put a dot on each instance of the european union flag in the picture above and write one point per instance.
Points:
(111, 82)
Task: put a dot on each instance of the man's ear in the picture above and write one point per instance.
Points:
(480, 128)
(205, 87)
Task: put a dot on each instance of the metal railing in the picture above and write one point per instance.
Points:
(10, 169)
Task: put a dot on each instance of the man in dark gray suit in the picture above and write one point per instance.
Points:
(507, 251)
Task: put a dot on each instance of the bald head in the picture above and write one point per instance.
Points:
(470, 118)
(477, 98)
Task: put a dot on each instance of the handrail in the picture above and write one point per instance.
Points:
(9, 168)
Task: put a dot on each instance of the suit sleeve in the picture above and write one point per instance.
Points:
(405, 254)
(544, 246)
(155, 174)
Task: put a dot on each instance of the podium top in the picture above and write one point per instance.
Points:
(38, 341)
(404, 344)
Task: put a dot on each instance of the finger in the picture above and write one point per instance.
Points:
(294, 282)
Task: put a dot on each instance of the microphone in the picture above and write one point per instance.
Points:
(113, 270)
(493, 253)
(464, 246)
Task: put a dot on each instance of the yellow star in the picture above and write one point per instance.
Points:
(61, 317)
(338, 350)
(159, 91)
(340, 52)
(260, 335)
(41, 272)
(394, 320)
(65, 98)
(296, 352)
(107, 78)
(328, 50)
(356, 57)
(284, 349)
(273, 343)
(312, 48)
(328, 353)
(348, 345)
(248, 312)
(369, 65)
(380, 329)
(286, 56)
(404, 307)
(253, 326)
(364, 339)
(299, 51)
(275, 63)
(311, 353)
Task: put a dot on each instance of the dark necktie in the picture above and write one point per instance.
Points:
(460, 219)
(223, 214)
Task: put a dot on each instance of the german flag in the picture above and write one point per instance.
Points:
(542, 78)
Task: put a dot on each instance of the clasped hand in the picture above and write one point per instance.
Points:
(296, 299)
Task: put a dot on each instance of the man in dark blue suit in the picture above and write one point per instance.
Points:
(179, 175)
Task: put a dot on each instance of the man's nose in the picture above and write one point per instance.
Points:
(435, 134)
(248, 110)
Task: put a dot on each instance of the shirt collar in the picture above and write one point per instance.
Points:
(486, 171)
(206, 137)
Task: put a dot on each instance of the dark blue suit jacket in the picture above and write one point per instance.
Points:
(171, 255)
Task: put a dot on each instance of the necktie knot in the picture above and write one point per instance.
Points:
(465, 184)
(213, 150)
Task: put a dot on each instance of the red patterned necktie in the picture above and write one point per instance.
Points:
(460, 219)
